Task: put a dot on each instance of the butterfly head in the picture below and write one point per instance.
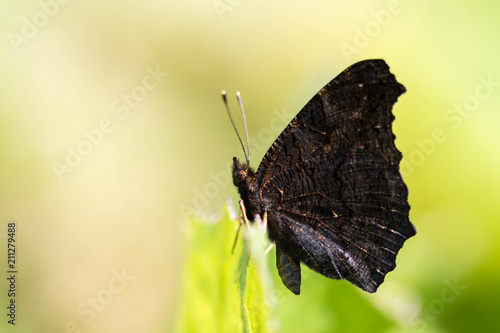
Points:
(242, 174)
(243, 179)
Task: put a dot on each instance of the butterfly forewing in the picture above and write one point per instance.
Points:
(331, 182)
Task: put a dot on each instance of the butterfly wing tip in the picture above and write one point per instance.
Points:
(371, 289)
(294, 288)
(296, 291)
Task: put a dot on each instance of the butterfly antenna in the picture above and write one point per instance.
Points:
(223, 93)
(238, 97)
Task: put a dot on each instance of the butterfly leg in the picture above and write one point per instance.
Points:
(269, 248)
(264, 221)
(237, 234)
(242, 219)
(244, 212)
(264, 229)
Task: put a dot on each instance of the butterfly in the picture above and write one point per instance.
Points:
(329, 187)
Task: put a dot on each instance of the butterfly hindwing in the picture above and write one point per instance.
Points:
(343, 219)
(331, 182)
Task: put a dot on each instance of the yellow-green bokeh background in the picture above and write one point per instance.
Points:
(120, 209)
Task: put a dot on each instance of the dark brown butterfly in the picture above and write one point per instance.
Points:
(330, 184)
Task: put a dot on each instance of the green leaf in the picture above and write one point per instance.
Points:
(224, 292)
(258, 307)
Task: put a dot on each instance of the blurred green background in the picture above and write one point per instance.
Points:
(112, 127)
